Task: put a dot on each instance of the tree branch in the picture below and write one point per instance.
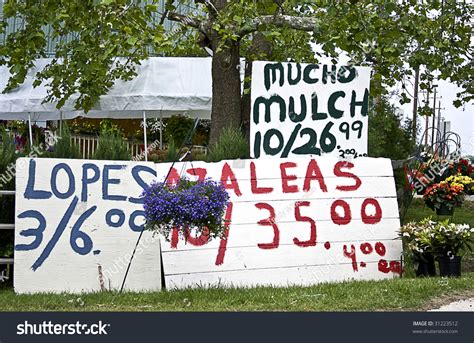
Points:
(209, 5)
(184, 19)
(292, 22)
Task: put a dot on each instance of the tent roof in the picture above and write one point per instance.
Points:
(164, 86)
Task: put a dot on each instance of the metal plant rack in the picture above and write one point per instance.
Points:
(441, 147)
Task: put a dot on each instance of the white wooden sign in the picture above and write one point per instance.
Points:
(308, 109)
(77, 223)
(293, 221)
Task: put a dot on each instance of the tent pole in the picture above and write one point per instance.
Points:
(30, 130)
(60, 123)
(144, 136)
(161, 130)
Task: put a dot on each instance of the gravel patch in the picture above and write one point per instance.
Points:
(466, 305)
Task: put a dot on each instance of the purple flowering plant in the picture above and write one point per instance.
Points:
(198, 205)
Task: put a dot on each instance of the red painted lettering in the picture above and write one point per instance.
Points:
(366, 248)
(223, 243)
(380, 248)
(285, 178)
(339, 173)
(173, 177)
(383, 266)
(229, 180)
(373, 219)
(253, 182)
(314, 173)
(312, 240)
(199, 172)
(197, 241)
(270, 221)
(336, 218)
(351, 255)
(396, 267)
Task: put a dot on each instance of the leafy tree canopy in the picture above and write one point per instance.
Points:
(393, 37)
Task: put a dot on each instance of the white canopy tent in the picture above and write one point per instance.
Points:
(164, 86)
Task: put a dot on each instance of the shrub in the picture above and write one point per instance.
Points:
(8, 156)
(177, 128)
(171, 152)
(64, 147)
(111, 147)
(230, 145)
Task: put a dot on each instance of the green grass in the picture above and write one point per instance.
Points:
(418, 211)
(397, 294)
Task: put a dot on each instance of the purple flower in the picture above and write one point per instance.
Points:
(188, 204)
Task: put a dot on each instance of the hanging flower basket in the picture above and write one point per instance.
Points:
(444, 196)
(198, 205)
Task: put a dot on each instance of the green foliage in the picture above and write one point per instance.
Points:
(177, 129)
(388, 137)
(64, 147)
(8, 156)
(171, 152)
(86, 62)
(230, 145)
(393, 37)
(106, 126)
(111, 147)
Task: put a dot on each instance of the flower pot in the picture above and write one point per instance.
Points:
(426, 265)
(449, 266)
(444, 210)
(469, 189)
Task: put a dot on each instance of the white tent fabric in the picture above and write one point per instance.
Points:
(164, 86)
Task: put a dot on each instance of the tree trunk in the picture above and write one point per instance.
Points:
(226, 101)
(263, 48)
(246, 101)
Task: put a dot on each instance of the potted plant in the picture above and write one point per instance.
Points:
(443, 197)
(448, 241)
(198, 205)
(417, 238)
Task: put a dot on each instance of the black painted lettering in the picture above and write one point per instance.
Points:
(293, 81)
(331, 73)
(333, 111)
(273, 69)
(307, 70)
(346, 74)
(296, 118)
(314, 109)
(274, 99)
(364, 104)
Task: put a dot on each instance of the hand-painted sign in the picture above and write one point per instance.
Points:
(309, 109)
(292, 221)
(77, 223)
